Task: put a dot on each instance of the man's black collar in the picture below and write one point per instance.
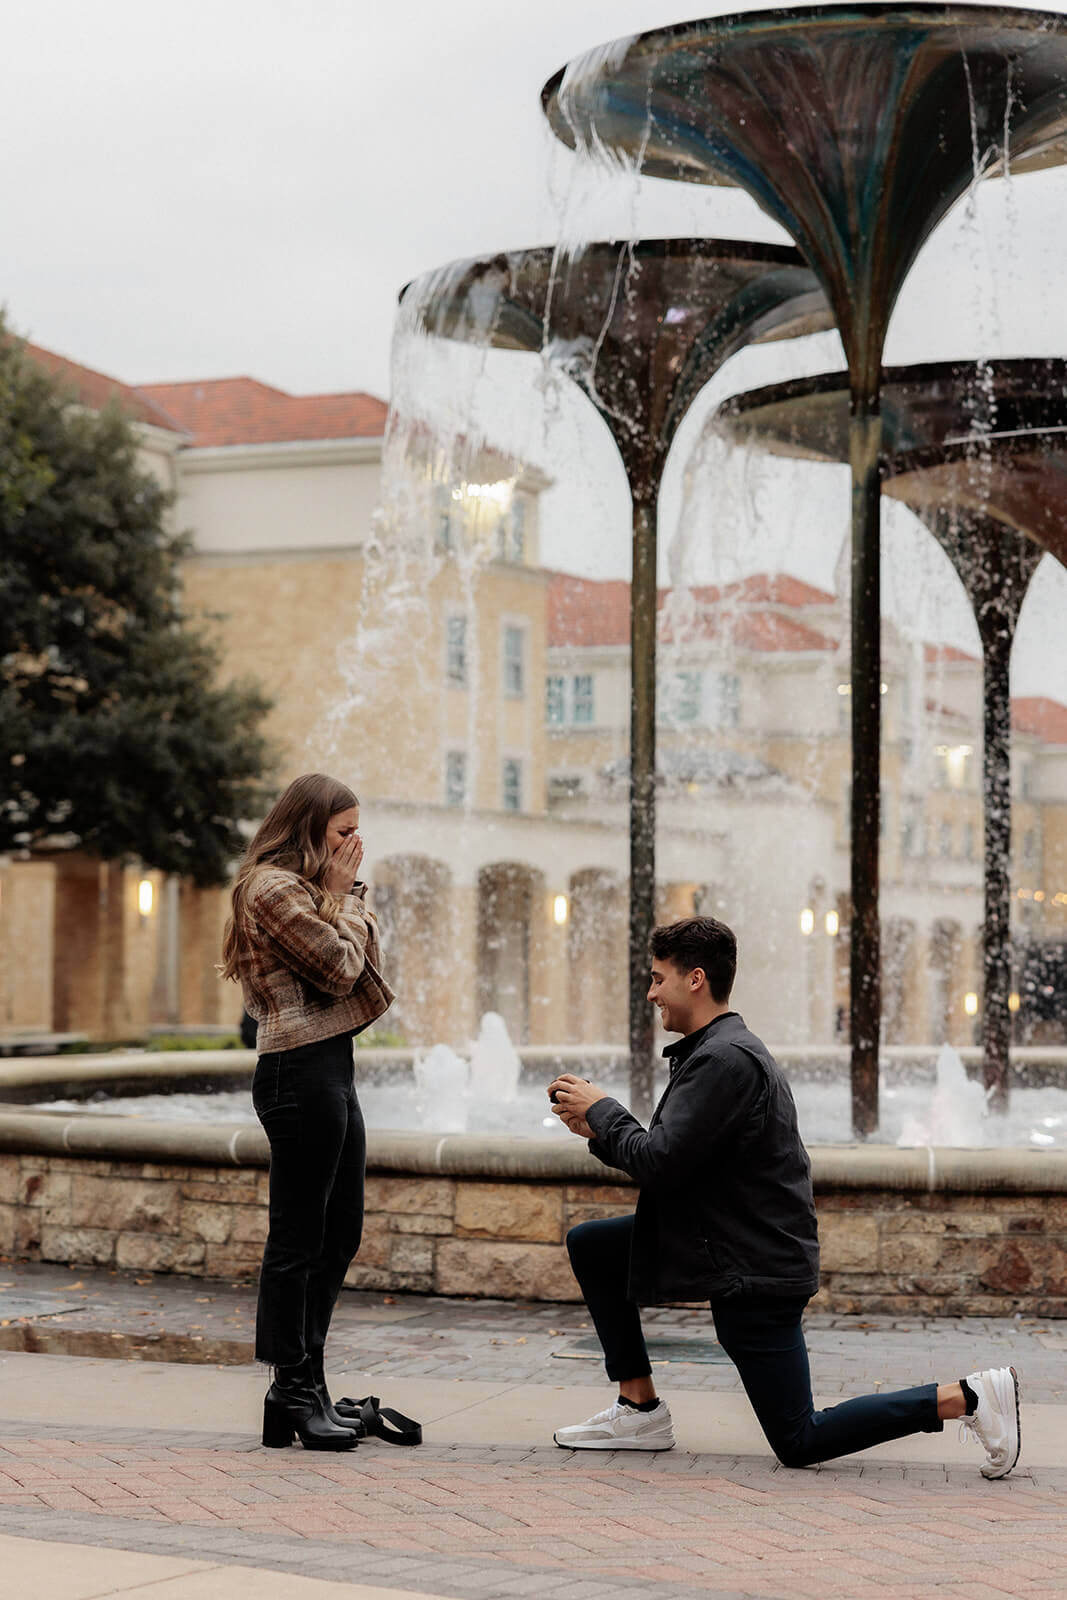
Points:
(682, 1048)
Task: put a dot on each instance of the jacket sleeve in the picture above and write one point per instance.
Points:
(331, 958)
(703, 1117)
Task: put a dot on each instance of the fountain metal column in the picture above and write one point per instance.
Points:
(857, 129)
(641, 328)
(976, 494)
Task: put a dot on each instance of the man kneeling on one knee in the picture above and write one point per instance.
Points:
(725, 1213)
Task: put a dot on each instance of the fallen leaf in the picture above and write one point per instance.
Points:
(142, 1280)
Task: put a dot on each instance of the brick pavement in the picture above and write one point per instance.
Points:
(472, 1521)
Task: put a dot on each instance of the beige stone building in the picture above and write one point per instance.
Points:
(479, 706)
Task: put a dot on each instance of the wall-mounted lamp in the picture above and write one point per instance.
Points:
(145, 897)
(807, 920)
(833, 924)
(1014, 1002)
(970, 1004)
(560, 910)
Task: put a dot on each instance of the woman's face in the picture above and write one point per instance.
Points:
(340, 826)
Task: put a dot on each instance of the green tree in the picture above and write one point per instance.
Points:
(115, 735)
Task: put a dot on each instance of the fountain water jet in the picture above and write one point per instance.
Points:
(641, 328)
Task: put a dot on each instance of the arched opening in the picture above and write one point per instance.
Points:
(411, 902)
(597, 958)
(506, 897)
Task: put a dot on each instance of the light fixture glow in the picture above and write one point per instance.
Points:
(970, 1004)
(1014, 1001)
(833, 924)
(145, 897)
(560, 910)
(807, 920)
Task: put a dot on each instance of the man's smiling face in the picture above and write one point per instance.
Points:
(674, 992)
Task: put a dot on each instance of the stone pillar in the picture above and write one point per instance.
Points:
(81, 893)
(27, 946)
(548, 967)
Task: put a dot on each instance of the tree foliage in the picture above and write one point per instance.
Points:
(115, 735)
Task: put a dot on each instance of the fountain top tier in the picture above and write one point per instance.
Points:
(855, 127)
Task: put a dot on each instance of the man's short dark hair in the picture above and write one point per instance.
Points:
(699, 942)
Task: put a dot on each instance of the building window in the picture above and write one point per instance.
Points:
(456, 666)
(969, 841)
(446, 511)
(511, 785)
(555, 701)
(724, 710)
(583, 697)
(944, 840)
(514, 667)
(682, 697)
(512, 537)
(456, 778)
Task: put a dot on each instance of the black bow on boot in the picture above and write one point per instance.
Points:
(293, 1408)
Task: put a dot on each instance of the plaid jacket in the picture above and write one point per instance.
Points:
(302, 978)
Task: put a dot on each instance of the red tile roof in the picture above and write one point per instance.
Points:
(1038, 715)
(222, 411)
(934, 653)
(95, 389)
(591, 611)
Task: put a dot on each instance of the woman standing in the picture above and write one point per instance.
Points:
(304, 946)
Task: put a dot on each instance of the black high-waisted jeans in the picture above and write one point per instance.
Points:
(306, 1101)
(764, 1339)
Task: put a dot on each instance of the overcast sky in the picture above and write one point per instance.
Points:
(242, 186)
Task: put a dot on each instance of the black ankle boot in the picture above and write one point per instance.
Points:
(318, 1374)
(293, 1408)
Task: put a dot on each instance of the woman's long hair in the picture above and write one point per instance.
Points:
(292, 836)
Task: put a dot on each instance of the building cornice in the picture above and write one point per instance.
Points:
(289, 453)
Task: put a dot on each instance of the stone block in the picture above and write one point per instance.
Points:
(509, 1211)
(146, 1252)
(49, 1190)
(1056, 1272)
(248, 1225)
(1024, 1224)
(27, 1234)
(10, 1179)
(848, 1242)
(376, 1242)
(405, 1224)
(131, 1205)
(911, 1252)
(591, 1213)
(8, 1215)
(410, 1253)
(232, 1260)
(211, 1223)
(424, 1196)
(601, 1194)
(91, 1246)
(504, 1271)
(1020, 1266)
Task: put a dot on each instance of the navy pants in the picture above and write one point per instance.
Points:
(764, 1339)
(306, 1101)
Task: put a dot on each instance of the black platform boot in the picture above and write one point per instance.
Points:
(293, 1408)
(318, 1373)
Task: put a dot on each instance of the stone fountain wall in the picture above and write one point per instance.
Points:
(915, 1232)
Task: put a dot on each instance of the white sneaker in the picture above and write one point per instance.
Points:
(996, 1422)
(620, 1428)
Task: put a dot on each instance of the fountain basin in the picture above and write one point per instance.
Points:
(904, 1231)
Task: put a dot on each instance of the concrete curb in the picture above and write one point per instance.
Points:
(502, 1157)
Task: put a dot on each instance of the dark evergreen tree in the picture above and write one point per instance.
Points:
(115, 735)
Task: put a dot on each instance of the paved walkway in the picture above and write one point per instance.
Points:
(141, 1477)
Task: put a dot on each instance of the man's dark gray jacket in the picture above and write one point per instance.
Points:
(726, 1206)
